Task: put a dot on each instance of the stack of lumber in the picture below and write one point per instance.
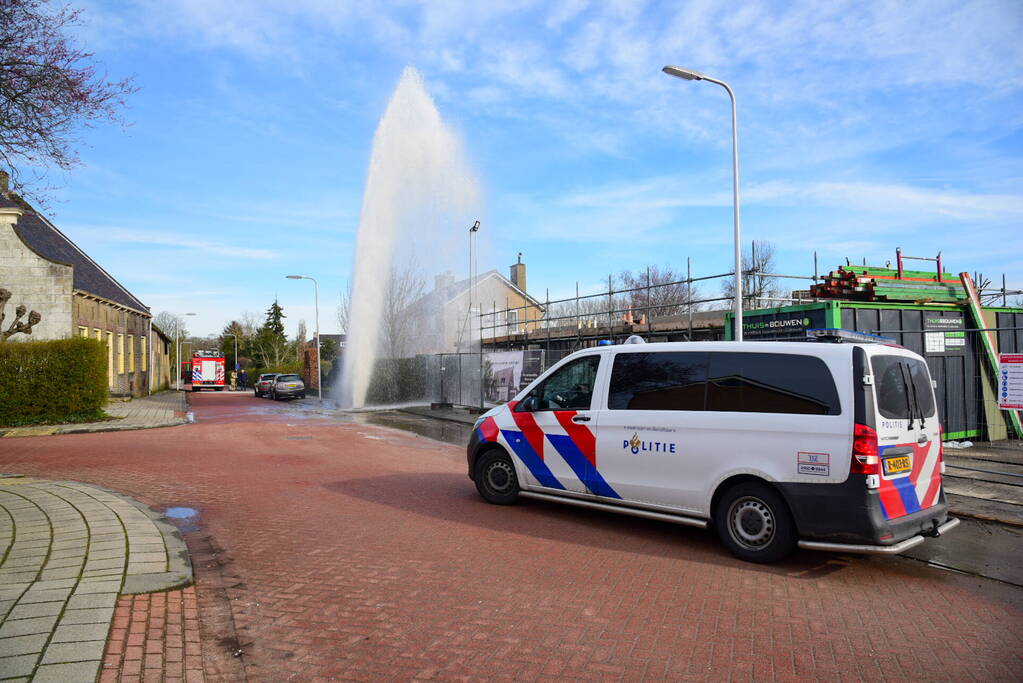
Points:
(869, 283)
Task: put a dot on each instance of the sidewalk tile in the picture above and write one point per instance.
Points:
(23, 645)
(26, 627)
(21, 665)
(79, 651)
(73, 633)
(84, 672)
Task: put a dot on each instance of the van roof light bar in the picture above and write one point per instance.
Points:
(837, 335)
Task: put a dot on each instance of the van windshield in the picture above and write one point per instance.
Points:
(903, 387)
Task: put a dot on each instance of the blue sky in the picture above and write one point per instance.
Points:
(863, 126)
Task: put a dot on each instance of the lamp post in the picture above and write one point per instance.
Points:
(472, 274)
(316, 295)
(228, 334)
(177, 344)
(690, 75)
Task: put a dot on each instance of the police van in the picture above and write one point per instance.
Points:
(826, 444)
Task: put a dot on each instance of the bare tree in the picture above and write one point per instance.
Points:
(301, 341)
(758, 290)
(24, 327)
(405, 287)
(659, 291)
(48, 87)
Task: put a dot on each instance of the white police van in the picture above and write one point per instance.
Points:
(831, 446)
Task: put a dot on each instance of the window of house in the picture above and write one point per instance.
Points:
(120, 354)
(142, 353)
(131, 353)
(110, 358)
(513, 320)
(98, 333)
(83, 332)
(658, 381)
(770, 383)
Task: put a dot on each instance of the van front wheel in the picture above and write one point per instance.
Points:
(495, 478)
(754, 523)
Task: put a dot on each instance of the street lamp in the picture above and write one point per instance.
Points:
(316, 294)
(472, 274)
(177, 344)
(690, 75)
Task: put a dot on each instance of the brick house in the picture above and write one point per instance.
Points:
(73, 296)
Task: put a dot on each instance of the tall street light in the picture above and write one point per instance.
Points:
(316, 294)
(690, 75)
(177, 344)
(472, 275)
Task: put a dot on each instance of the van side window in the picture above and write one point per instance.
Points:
(658, 381)
(569, 388)
(903, 387)
(771, 383)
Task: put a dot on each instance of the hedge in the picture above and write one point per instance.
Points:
(48, 382)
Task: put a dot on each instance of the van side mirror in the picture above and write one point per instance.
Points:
(528, 404)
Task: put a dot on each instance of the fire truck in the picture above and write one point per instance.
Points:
(207, 370)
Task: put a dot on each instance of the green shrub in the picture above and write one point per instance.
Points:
(47, 382)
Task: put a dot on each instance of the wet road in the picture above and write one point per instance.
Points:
(330, 546)
(979, 548)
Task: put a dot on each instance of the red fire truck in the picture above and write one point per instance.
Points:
(207, 370)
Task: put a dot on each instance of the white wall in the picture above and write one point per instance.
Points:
(39, 284)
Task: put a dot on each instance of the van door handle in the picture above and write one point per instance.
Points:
(922, 439)
(581, 418)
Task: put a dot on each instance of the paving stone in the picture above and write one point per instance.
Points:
(146, 567)
(95, 615)
(44, 595)
(92, 600)
(37, 609)
(73, 633)
(79, 672)
(23, 645)
(74, 652)
(136, 558)
(45, 584)
(86, 586)
(7, 578)
(26, 627)
(60, 573)
(21, 665)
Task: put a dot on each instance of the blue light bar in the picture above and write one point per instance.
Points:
(836, 334)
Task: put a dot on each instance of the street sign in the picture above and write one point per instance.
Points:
(1010, 381)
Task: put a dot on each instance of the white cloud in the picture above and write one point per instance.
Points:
(179, 241)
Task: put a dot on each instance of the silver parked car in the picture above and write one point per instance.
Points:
(287, 386)
(264, 384)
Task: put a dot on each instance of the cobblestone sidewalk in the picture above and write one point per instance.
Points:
(69, 550)
(165, 409)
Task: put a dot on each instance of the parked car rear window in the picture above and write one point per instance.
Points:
(289, 378)
(723, 381)
(658, 381)
(771, 383)
(903, 387)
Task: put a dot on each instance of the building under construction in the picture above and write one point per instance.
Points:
(936, 314)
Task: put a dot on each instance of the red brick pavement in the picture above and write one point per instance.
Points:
(361, 553)
(154, 637)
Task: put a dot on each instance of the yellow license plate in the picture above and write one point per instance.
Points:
(897, 465)
(292, 386)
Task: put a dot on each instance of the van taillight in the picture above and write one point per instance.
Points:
(941, 449)
(865, 459)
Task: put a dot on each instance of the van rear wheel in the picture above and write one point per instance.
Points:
(495, 478)
(754, 523)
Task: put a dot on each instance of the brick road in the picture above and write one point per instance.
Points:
(328, 550)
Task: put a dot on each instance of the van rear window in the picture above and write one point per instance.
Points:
(723, 381)
(903, 387)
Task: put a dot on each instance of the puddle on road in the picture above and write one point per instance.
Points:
(185, 519)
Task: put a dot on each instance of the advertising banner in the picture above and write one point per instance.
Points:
(1010, 381)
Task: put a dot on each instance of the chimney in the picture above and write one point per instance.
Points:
(518, 274)
(5, 184)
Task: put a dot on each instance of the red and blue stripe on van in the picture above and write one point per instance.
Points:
(916, 490)
(577, 447)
